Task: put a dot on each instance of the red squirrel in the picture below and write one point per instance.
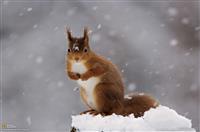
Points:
(102, 88)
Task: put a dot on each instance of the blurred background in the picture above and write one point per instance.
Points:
(153, 43)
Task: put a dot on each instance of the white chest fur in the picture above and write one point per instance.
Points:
(88, 85)
(79, 68)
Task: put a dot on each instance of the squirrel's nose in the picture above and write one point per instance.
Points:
(76, 58)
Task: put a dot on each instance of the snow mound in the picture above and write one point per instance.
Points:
(161, 118)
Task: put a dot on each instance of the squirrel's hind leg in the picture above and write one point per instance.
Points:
(108, 99)
(93, 112)
(87, 111)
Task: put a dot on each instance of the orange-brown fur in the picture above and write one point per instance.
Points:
(109, 92)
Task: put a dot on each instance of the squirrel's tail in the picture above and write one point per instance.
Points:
(138, 103)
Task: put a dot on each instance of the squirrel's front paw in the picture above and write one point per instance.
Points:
(84, 77)
(74, 76)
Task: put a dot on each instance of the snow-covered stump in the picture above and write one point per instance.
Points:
(160, 119)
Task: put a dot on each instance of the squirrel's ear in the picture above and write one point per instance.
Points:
(85, 35)
(68, 34)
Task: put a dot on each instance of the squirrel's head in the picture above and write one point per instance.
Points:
(78, 48)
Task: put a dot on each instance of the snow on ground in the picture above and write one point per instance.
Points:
(160, 119)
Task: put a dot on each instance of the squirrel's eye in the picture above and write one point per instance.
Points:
(85, 50)
(69, 50)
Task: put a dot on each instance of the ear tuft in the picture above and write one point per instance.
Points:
(85, 35)
(68, 33)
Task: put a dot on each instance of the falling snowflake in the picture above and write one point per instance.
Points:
(94, 8)
(35, 26)
(28, 119)
(99, 26)
(131, 86)
(178, 85)
(171, 66)
(21, 14)
(107, 17)
(76, 89)
(172, 11)
(60, 84)
(187, 54)
(29, 9)
(193, 87)
(39, 59)
(197, 28)
(173, 42)
(56, 28)
(185, 21)
(162, 25)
